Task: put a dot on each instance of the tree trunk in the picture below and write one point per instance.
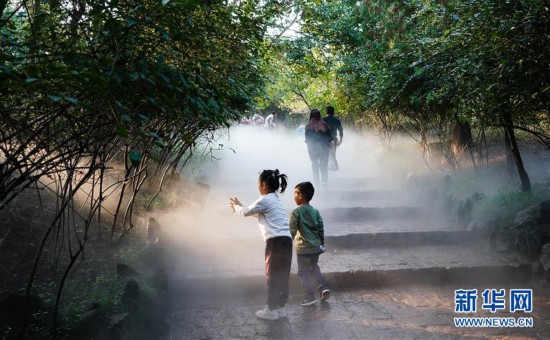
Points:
(523, 176)
(509, 155)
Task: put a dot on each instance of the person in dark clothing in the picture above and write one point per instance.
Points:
(318, 140)
(336, 128)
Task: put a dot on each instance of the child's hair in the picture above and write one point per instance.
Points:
(274, 180)
(306, 189)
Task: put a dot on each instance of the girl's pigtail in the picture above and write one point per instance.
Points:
(283, 178)
(274, 180)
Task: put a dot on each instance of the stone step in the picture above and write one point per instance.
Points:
(336, 183)
(339, 197)
(337, 222)
(239, 272)
(399, 239)
(376, 213)
(358, 195)
(363, 198)
(341, 239)
(343, 228)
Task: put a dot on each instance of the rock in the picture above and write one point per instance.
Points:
(154, 313)
(91, 325)
(544, 216)
(530, 233)
(126, 272)
(154, 231)
(129, 301)
(464, 213)
(13, 304)
(500, 238)
(125, 326)
(528, 241)
(544, 261)
(527, 216)
(486, 229)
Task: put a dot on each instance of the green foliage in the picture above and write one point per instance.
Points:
(101, 95)
(506, 204)
(420, 66)
(106, 290)
(130, 255)
(126, 74)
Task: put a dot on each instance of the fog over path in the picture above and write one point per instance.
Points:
(382, 241)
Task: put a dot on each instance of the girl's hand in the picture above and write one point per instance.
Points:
(233, 202)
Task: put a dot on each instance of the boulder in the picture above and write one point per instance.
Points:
(12, 306)
(530, 233)
(91, 325)
(126, 272)
(129, 301)
(544, 261)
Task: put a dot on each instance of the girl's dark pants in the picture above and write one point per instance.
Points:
(278, 257)
(310, 275)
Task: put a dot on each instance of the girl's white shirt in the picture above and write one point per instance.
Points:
(272, 216)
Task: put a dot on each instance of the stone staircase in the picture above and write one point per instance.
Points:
(375, 237)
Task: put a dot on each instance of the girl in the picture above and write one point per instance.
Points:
(318, 140)
(273, 222)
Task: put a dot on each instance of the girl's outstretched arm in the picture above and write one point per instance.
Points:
(253, 209)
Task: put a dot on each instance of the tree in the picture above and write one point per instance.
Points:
(87, 86)
(430, 62)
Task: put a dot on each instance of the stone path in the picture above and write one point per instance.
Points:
(422, 312)
(393, 265)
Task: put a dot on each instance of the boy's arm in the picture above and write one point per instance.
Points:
(321, 228)
(293, 222)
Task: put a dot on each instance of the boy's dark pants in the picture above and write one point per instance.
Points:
(309, 273)
(278, 257)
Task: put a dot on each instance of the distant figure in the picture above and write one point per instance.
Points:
(269, 121)
(306, 227)
(336, 128)
(462, 138)
(153, 231)
(247, 121)
(258, 119)
(273, 223)
(318, 140)
(301, 129)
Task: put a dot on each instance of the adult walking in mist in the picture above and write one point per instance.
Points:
(337, 129)
(318, 140)
(273, 223)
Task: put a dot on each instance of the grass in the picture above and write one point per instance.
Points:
(506, 204)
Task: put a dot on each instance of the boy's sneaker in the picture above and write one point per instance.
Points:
(308, 301)
(268, 314)
(325, 295)
(282, 312)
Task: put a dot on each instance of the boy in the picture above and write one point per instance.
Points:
(306, 227)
